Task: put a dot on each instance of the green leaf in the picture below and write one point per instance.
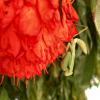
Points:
(4, 94)
(97, 17)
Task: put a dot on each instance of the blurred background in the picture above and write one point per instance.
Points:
(84, 83)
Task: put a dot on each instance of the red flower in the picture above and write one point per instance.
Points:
(32, 34)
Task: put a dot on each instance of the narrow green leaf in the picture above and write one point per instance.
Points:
(4, 95)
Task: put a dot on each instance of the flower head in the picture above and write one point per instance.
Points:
(32, 34)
